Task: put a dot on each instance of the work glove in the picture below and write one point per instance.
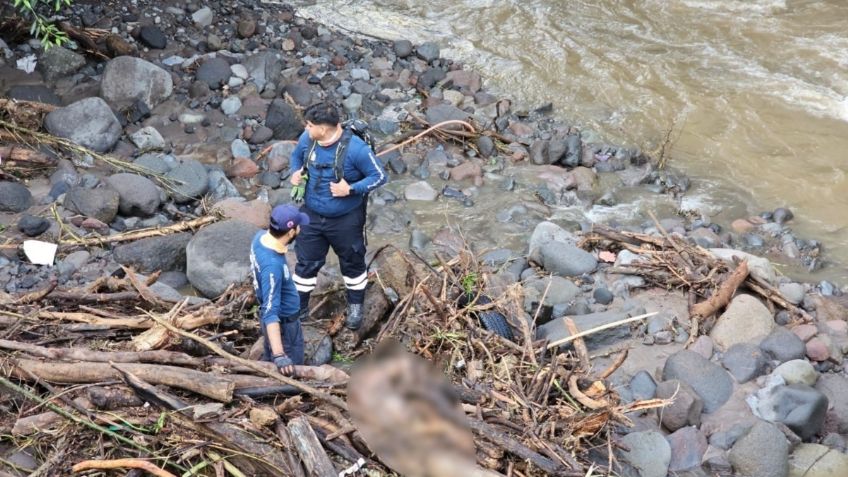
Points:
(299, 190)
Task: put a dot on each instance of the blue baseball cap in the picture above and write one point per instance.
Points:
(287, 217)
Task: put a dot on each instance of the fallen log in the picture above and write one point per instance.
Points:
(309, 448)
(257, 453)
(374, 310)
(723, 294)
(205, 384)
(288, 448)
(84, 354)
(44, 421)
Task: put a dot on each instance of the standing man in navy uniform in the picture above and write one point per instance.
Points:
(279, 302)
(340, 170)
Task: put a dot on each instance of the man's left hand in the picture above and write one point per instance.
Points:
(340, 188)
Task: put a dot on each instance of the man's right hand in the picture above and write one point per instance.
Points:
(284, 364)
(296, 177)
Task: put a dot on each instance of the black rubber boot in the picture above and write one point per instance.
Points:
(354, 316)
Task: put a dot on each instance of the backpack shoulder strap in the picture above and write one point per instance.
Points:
(341, 153)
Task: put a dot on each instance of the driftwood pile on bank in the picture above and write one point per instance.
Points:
(164, 386)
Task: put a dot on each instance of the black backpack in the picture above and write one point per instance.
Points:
(351, 127)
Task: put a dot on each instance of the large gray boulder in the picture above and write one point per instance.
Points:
(219, 255)
(101, 203)
(150, 254)
(759, 267)
(798, 406)
(127, 79)
(556, 330)
(550, 232)
(190, 180)
(763, 452)
(283, 120)
(138, 194)
(14, 197)
(709, 380)
(745, 320)
(565, 259)
(88, 122)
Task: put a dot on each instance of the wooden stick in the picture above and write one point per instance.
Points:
(579, 344)
(122, 464)
(254, 366)
(513, 446)
(309, 448)
(599, 328)
(722, 295)
(218, 388)
(143, 233)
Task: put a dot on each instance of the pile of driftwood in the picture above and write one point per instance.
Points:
(122, 379)
(670, 261)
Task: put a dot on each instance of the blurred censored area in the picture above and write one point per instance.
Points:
(409, 416)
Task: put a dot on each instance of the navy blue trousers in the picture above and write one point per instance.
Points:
(292, 336)
(346, 235)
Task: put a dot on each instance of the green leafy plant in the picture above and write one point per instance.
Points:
(469, 282)
(41, 28)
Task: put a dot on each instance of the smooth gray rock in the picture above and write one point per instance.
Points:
(561, 258)
(798, 406)
(101, 203)
(203, 17)
(173, 278)
(155, 163)
(14, 197)
(150, 254)
(127, 79)
(231, 105)
(219, 255)
(745, 319)
(759, 267)
(709, 380)
(57, 62)
(783, 345)
(214, 72)
(762, 452)
(403, 48)
(688, 446)
(643, 386)
(794, 292)
(138, 194)
(649, 454)
(190, 180)
(685, 408)
(148, 138)
(220, 187)
(33, 226)
(603, 296)
(545, 232)
(745, 361)
(428, 51)
(263, 67)
(445, 112)
(283, 120)
(835, 387)
(420, 191)
(153, 37)
(797, 371)
(88, 122)
(556, 330)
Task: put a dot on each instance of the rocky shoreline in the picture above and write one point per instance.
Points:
(206, 100)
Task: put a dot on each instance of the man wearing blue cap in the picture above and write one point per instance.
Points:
(279, 303)
(336, 170)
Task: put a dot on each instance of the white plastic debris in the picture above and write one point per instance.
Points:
(40, 253)
(354, 468)
(27, 63)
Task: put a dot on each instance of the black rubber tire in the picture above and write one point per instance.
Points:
(496, 323)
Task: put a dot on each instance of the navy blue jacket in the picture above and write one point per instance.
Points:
(272, 283)
(362, 170)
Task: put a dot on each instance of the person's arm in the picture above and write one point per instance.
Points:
(370, 166)
(297, 160)
(270, 307)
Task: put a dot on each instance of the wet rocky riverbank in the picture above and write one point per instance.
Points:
(207, 96)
